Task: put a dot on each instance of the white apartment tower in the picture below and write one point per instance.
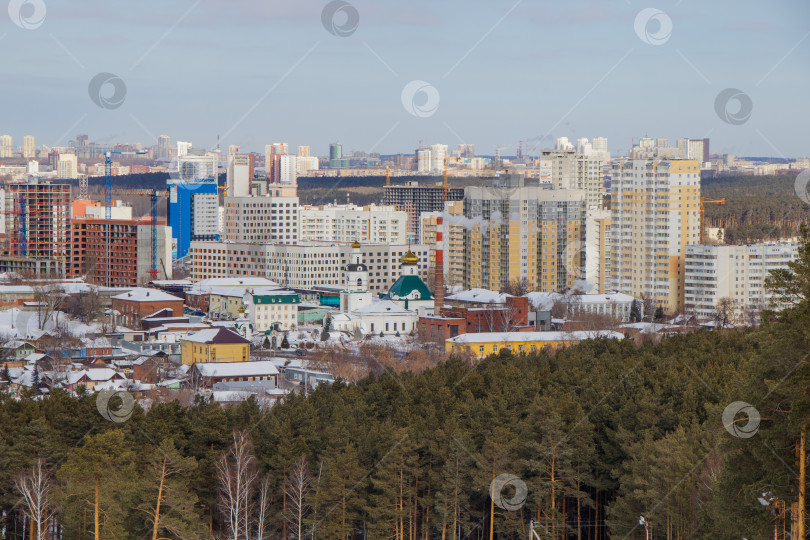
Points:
(348, 222)
(238, 178)
(67, 166)
(655, 214)
(734, 272)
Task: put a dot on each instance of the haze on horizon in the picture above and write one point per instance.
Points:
(259, 72)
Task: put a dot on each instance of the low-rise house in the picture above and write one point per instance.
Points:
(486, 343)
(138, 303)
(153, 368)
(206, 375)
(214, 345)
(90, 377)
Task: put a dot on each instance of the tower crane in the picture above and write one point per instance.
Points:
(704, 201)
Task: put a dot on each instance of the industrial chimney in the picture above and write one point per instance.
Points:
(438, 280)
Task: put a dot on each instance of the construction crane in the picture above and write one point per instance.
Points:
(704, 201)
(153, 195)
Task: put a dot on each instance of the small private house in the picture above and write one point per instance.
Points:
(271, 309)
(138, 303)
(214, 345)
(209, 374)
(91, 377)
(486, 343)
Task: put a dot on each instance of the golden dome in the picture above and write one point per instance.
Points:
(409, 259)
(356, 245)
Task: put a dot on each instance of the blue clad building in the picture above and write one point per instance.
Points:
(193, 214)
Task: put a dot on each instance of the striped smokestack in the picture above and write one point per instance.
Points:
(438, 280)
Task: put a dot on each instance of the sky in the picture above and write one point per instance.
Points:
(381, 76)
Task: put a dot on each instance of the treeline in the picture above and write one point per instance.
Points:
(599, 434)
(758, 208)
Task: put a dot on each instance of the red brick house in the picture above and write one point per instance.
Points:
(512, 316)
(136, 304)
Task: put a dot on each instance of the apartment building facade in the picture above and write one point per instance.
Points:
(655, 214)
(261, 219)
(519, 232)
(738, 273)
(348, 222)
(303, 266)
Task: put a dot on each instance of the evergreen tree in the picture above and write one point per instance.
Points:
(635, 311)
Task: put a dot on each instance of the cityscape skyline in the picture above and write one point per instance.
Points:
(679, 55)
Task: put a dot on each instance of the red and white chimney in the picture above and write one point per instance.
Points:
(438, 279)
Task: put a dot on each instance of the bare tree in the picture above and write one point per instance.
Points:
(48, 298)
(236, 475)
(35, 490)
(296, 488)
(517, 287)
(725, 310)
(264, 507)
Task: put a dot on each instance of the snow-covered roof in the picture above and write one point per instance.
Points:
(94, 374)
(511, 337)
(141, 294)
(216, 335)
(383, 306)
(171, 282)
(237, 369)
(543, 301)
(228, 396)
(206, 285)
(484, 296)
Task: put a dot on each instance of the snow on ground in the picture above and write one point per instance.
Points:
(19, 324)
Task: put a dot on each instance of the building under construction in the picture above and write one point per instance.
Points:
(37, 218)
(415, 199)
(117, 252)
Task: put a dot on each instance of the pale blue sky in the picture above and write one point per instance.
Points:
(522, 70)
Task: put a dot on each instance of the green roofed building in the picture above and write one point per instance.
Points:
(409, 291)
(271, 309)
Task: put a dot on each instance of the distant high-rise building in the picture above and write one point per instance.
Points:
(183, 148)
(563, 144)
(196, 168)
(303, 151)
(335, 156)
(193, 214)
(287, 170)
(67, 166)
(29, 148)
(655, 214)
(272, 160)
(306, 164)
(415, 199)
(518, 232)
(573, 170)
(164, 147)
(233, 149)
(6, 148)
(239, 177)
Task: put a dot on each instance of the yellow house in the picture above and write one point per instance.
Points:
(485, 343)
(214, 345)
(224, 303)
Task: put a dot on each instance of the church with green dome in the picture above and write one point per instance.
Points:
(409, 291)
